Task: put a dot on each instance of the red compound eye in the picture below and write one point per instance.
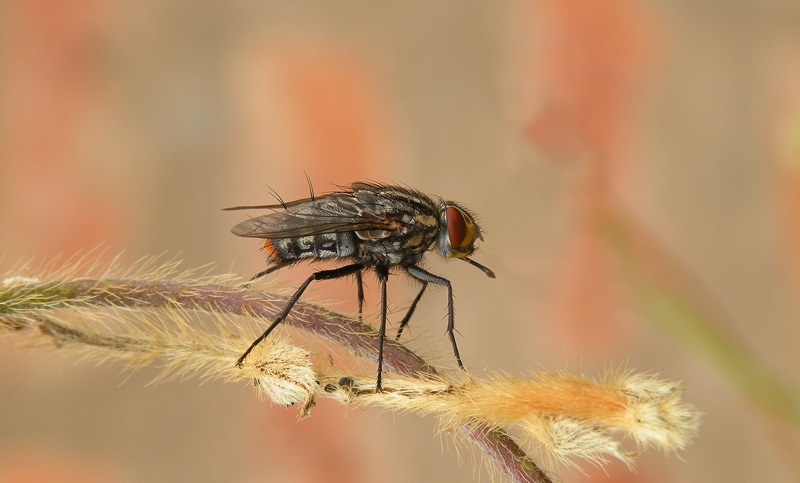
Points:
(456, 227)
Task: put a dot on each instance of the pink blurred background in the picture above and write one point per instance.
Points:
(132, 123)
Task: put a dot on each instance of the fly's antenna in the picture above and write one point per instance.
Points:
(310, 186)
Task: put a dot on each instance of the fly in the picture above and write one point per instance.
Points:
(372, 226)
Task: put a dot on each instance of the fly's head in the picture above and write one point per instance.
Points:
(458, 233)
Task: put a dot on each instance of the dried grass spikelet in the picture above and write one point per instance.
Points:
(283, 373)
(44, 312)
(566, 416)
(190, 324)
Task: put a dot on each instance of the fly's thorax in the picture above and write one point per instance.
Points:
(415, 234)
(458, 231)
(325, 245)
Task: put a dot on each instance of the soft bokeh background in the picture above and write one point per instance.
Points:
(132, 123)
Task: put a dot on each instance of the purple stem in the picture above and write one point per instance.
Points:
(348, 332)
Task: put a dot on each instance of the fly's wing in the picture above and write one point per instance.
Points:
(334, 213)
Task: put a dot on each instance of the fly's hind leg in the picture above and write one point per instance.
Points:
(411, 310)
(265, 272)
(321, 275)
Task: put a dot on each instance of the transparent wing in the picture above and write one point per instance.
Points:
(326, 214)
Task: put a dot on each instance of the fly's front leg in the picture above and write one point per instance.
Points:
(427, 277)
(321, 275)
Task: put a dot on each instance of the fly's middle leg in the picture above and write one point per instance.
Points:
(383, 276)
(360, 288)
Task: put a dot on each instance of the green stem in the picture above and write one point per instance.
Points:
(692, 323)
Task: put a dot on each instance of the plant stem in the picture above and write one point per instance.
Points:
(32, 300)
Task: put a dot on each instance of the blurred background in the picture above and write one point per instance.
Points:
(635, 166)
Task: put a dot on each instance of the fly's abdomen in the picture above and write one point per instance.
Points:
(326, 245)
